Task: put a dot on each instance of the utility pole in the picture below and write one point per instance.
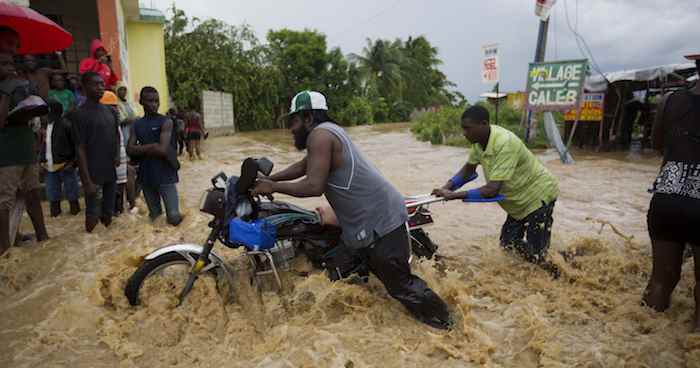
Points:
(539, 57)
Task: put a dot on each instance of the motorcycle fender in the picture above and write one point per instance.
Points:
(184, 248)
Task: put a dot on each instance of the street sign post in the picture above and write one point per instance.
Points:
(555, 86)
(489, 64)
(489, 69)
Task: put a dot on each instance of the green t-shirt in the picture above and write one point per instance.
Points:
(526, 182)
(65, 97)
(16, 145)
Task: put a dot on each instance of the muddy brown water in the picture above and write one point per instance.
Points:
(62, 303)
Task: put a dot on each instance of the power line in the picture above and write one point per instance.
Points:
(580, 41)
(554, 33)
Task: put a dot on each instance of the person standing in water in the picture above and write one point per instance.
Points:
(674, 211)
(110, 99)
(96, 127)
(194, 131)
(512, 171)
(60, 157)
(153, 144)
(371, 212)
(19, 173)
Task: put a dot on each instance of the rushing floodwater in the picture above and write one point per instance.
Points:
(62, 302)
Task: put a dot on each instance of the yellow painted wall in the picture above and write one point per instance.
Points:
(147, 61)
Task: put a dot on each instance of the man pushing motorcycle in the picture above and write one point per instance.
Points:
(512, 171)
(370, 211)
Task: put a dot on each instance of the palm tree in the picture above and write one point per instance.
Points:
(424, 82)
(380, 66)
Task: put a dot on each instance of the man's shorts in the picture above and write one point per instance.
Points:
(14, 179)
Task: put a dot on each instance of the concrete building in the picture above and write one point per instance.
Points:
(132, 35)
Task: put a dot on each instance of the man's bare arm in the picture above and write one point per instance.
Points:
(318, 167)
(293, 172)
(131, 146)
(166, 133)
(84, 172)
(465, 172)
(159, 149)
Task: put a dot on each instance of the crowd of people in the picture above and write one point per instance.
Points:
(80, 134)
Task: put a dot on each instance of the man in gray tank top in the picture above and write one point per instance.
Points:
(370, 211)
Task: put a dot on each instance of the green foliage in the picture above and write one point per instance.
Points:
(405, 75)
(443, 126)
(387, 82)
(358, 111)
(438, 127)
(212, 55)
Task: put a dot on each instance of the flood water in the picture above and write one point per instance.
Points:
(62, 302)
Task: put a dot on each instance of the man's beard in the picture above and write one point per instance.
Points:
(300, 138)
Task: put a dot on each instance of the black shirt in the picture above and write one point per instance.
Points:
(96, 127)
(155, 171)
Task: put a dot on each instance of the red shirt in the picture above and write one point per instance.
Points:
(91, 64)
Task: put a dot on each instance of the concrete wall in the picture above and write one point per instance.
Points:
(147, 61)
(217, 109)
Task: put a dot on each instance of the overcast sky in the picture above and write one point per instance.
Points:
(622, 34)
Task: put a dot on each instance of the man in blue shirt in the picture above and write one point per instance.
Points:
(153, 144)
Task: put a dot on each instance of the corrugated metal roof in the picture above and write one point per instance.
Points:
(151, 15)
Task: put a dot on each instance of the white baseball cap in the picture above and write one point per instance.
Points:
(308, 100)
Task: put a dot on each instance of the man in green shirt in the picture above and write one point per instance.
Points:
(513, 172)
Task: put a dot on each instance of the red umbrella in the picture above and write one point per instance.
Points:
(37, 34)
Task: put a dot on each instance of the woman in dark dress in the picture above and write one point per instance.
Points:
(674, 211)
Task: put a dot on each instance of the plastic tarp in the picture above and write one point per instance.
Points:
(596, 83)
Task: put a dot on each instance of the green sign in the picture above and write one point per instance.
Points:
(556, 85)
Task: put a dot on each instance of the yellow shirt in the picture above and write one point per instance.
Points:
(526, 182)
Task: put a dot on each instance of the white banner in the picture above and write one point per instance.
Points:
(489, 64)
(543, 8)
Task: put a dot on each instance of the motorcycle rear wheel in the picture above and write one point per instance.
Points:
(153, 266)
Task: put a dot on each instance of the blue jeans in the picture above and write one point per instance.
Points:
(168, 193)
(62, 184)
(101, 204)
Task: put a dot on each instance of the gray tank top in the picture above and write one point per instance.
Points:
(367, 205)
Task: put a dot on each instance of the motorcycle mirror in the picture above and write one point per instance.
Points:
(219, 181)
(265, 166)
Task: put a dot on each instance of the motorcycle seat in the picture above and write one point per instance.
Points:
(284, 207)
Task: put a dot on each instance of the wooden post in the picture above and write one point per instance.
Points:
(617, 111)
(573, 129)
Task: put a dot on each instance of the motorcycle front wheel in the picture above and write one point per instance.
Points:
(173, 266)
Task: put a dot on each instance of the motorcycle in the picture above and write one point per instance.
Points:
(295, 231)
